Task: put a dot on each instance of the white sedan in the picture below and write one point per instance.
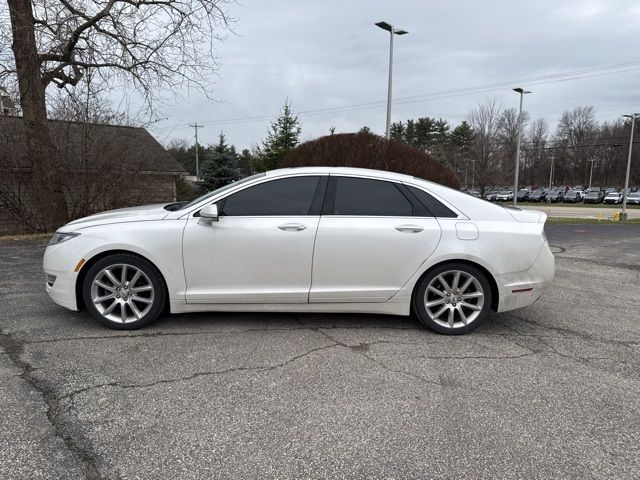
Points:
(305, 240)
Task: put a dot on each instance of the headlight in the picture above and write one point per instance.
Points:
(60, 237)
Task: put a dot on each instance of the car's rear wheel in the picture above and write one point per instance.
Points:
(124, 292)
(454, 298)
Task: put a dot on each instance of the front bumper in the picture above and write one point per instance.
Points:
(56, 264)
(520, 289)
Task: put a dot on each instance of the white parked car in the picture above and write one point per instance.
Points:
(305, 240)
(613, 197)
(504, 196)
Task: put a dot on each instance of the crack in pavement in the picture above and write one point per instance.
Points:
(565, 334)
(263, 368)
(362, 349)
(14, 350)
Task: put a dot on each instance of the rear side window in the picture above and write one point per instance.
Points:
(362, 196)
(437, 208)
(287, 196)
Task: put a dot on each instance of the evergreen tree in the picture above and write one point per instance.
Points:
(423, 133)
(396, 132)
(410, 133)
(365, 129)
(245, 162)
(283, 136)
(461, 139)
(220, 165)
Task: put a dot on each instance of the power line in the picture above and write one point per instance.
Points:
(486, 88)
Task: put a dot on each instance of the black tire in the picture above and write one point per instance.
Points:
(420, 308)
(157, 298)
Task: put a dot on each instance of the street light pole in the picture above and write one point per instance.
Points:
(392, 31)
(522, 92)
(625, 192)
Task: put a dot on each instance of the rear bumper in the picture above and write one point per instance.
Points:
(520, 289)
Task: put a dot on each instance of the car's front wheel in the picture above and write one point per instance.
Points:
(454, 298)
(124, 292)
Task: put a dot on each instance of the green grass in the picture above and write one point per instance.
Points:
(579, 205)
(589, 221)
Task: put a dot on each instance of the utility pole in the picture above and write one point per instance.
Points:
(196, 127)
(553, 159)
(522, 92)
(592, 160)
(625, 192)
(392, 31)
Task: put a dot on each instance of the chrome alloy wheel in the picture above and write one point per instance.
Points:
(122, 293)
(454, 299)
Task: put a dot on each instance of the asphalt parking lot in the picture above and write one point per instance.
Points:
(551, 391)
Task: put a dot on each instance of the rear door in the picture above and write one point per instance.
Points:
(372, 237)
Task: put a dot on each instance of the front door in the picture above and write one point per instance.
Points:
(261, 248)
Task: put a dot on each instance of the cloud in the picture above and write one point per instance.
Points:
(329, 53)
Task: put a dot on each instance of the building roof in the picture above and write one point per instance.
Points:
(90, 146)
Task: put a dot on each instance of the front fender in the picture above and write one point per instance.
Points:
(160, 242)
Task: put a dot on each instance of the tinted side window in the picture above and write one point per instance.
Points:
(436, 207)
(361, 196)
(287, 196)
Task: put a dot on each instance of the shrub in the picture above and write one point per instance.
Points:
(366, 150)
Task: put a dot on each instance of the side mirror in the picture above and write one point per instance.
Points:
(209, 214)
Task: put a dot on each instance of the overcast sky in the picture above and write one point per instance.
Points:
(328, 53)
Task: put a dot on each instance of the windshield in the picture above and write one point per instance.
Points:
(221, 189)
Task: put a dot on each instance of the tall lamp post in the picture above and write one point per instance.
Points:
(625, 192)
(392, 31)
(522, 92)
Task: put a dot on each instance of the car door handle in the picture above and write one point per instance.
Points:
(292, 227)
(409, 228)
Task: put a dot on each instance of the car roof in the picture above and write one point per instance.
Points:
(365, 172)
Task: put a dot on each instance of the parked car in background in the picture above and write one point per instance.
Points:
(474, 193)
(538, 196)
(593, 197)
(608, 190)
(504, 196)
(634, 198)
(572, 196)
(523, 194)
(613, 197)
(378, 242)
(556, 196)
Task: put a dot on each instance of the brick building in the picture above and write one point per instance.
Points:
(105, 167)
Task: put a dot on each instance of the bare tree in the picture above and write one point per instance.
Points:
(154, 43)
(535, 165)
(577, 129)
(485, 121)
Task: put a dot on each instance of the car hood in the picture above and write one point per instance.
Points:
(121, 215)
